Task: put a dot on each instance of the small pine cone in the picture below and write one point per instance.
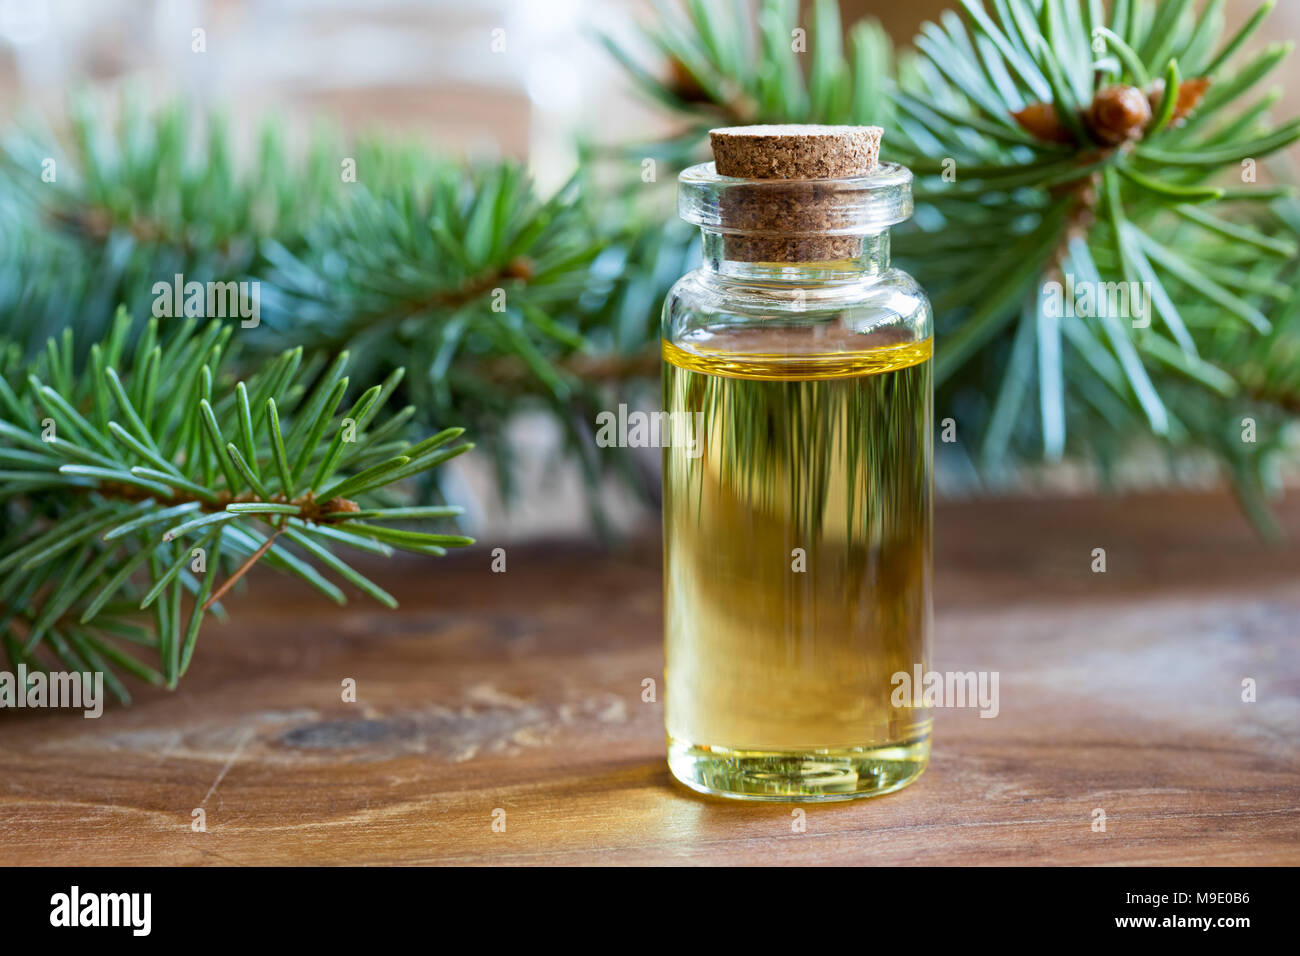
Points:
(1118, 113)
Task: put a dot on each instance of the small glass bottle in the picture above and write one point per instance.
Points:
(797, 508)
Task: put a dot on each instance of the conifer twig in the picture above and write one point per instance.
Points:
(119, 495)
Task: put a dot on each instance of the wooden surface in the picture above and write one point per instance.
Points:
(522, 691)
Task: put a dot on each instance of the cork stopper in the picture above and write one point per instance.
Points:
(799, 214)
(795, 151)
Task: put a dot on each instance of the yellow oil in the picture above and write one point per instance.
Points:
(797, 565)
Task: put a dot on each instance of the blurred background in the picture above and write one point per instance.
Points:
(513, 78)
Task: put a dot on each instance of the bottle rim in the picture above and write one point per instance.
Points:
(800, 207)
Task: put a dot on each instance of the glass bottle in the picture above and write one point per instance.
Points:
(797, 491)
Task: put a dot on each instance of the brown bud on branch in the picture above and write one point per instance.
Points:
(1117, 114)
(1190, 94)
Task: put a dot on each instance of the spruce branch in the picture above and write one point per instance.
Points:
(142, 483)
(715, 70)
(502, 298)
(1138, 161)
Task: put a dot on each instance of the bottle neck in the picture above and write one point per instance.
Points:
(870, 259)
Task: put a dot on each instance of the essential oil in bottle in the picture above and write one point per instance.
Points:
(797, 519)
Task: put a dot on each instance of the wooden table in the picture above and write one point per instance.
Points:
(522, 692)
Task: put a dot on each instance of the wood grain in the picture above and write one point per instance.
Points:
(522, 691)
